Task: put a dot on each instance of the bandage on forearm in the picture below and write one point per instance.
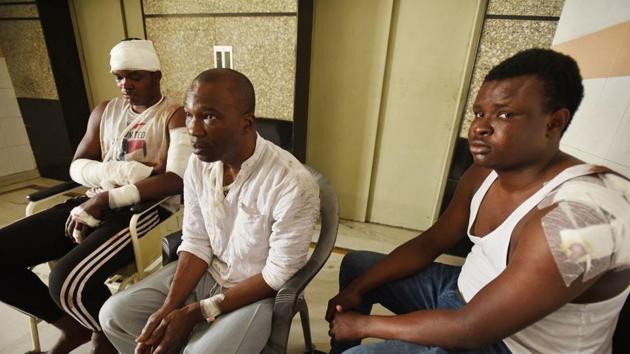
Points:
(96, 174)
(210, 306)
(123, 196)
(179, 150)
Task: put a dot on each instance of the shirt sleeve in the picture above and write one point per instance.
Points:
(294, 219)
(195, 240)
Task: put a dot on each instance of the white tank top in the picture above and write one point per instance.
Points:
(573, 328)
(129, 136)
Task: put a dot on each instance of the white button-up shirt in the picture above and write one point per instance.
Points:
(270, 212)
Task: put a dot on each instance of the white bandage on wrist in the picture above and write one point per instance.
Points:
(83, 217)
(210, 307)
(123, 196)
(179, 150)
(96, 174)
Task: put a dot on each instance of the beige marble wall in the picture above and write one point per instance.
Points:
(264, 47)
(218, 6)
(525, 7)
(8, 11)
(503, 37)
(22, 42)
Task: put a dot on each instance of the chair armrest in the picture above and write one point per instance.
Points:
(49, 192)
(170, 243)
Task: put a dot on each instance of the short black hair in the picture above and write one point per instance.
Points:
(239, 85)
(559, 73)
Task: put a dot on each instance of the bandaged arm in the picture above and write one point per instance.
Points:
(179, 150)
(108, 174)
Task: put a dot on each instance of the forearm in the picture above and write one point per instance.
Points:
(442, 328)
(189, 271)
(246, 292)
(160, 186)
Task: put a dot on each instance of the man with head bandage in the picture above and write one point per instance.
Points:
(549, 270)
(135, 149)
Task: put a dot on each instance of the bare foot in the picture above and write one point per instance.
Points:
(73, 334)
(102, 345)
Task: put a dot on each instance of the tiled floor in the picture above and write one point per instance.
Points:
(15, 335)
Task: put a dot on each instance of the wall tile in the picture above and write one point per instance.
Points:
(525, 7)
(8, 11)
(619, 150)
(5, 79)
(581, 154)
(27, 59)
(218, 6)
(598, 119)
(13, 132)
(264, 50)
(6, 167)
(623, 169)
(499, 40)
(8, 105)
(21, 158)
(584, 17)
(185, 48)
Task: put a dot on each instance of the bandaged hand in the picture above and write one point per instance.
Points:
(86, 216)
(76, 230)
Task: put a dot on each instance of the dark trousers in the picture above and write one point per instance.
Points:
(435, 287)
(77, 280)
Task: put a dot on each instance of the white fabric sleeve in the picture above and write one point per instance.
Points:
(109, 174)
(179, 150)
(295, 215)
(195, 239)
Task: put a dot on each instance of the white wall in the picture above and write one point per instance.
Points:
(597, 35)
(15, 150)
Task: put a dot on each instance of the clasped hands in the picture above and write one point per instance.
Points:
(345, 324)
(168, 329)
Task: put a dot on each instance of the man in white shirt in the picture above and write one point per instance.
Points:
(250, 208)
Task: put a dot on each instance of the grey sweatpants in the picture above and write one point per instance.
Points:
(245, 330)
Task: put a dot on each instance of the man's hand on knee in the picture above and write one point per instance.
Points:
(346, 300)
(168, 330)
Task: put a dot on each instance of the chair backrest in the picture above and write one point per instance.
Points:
(329, 219)
(288, 296)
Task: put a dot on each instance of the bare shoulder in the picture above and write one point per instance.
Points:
(178, 119)
(97, 112)
(473, 178)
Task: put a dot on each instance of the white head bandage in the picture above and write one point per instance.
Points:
(136, 54)
(588, 230)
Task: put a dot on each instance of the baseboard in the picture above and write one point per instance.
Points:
(18, 177)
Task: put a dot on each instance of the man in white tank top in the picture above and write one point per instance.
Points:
(132, 151)
(550, 267)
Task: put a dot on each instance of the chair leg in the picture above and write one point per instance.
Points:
(32, 321)
(306, 326)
